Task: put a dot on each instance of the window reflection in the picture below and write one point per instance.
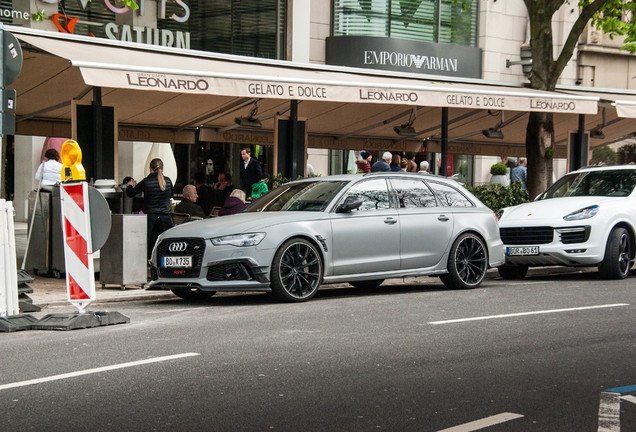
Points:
(374, 194)
(413, 194)
(449, 196)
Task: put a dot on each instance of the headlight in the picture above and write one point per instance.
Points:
(251, 239)
(584, 213)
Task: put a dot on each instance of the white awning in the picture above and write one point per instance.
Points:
(114, 64)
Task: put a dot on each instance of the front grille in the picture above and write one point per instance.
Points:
(526, 235)
(195, 248)
(574, 234)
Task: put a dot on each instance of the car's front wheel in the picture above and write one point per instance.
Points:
(508, 271)
(296, 271)
(618, 251)
(192, 293)
(467, 263)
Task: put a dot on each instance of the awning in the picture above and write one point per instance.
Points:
(141, 67)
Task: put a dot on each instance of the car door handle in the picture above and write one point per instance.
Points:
(390, 221)
(443, 218)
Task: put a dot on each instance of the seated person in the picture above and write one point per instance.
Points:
(259, 189)
(205, 193)
(234, 203)
(187, 204)
(222, 189)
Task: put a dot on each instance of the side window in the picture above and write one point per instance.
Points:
(374, 194)
(449, 196)
(413, 193)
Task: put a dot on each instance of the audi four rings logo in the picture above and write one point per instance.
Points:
(177, 246)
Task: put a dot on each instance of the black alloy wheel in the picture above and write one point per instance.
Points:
(618, 252)
(467, 263)
(296, 271)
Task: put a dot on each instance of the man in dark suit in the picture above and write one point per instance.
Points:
(251, 171)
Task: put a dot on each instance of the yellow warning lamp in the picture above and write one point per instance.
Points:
(71, 156)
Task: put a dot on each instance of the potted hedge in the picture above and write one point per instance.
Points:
(499, 174)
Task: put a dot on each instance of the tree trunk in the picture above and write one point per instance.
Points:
(539, 137)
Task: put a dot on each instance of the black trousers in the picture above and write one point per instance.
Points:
(157, 223)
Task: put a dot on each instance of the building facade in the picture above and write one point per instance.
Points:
(384, 38)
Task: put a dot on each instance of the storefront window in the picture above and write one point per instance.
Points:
(211, 159)
(245, 27)
(255, 28)
(437, 21)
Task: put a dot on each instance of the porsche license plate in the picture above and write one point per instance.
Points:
(176, 261)
(522, 251)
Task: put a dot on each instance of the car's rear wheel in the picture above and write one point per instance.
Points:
(296, 271)
(618, 251)
(467, 263)
(367, 284)
(192, 293)
(509, 271)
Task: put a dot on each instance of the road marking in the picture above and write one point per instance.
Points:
(96, 370)
(527, 313)
(483, 423)
(609, 412)
(630, 398)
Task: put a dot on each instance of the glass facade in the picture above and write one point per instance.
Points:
(436, 21)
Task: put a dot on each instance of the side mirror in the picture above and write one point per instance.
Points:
(350, 203)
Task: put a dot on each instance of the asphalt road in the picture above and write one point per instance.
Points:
(349, 360)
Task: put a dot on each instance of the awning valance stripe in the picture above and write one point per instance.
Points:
(136, 69)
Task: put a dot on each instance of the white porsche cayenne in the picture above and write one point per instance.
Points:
(359, 228)
(586, 218)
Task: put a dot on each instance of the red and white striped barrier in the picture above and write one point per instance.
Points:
(78, 255)
(8, 267)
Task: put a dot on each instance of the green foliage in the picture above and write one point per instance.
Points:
(613, 19)
(627, 154)
(130, 3)
(279, 179)
(496, 196)
(603, 155)
(498, 169)
(40, 15)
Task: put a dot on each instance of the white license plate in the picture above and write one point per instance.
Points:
(522, 251)
(176, 261)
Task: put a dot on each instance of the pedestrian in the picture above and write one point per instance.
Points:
(383, 164)
(395, 163)
(205, 194)
(188, 203)
(520, 173)
(222, 189)
(423, 167)
(251, 171)
(157, 190)
(234, 203)
(412, 165)
(364, 163)
(50, 170)
(404, 164)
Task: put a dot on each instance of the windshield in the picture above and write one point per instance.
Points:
(617, 183)
(304, 196)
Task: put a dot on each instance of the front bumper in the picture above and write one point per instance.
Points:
(567, 246)
(214, 268)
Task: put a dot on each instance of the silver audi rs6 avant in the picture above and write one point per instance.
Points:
(356, 228)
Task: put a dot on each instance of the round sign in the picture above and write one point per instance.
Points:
(12, 56)
(100, 218)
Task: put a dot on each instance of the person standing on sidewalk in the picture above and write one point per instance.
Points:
(157, 190)
(50, 171)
